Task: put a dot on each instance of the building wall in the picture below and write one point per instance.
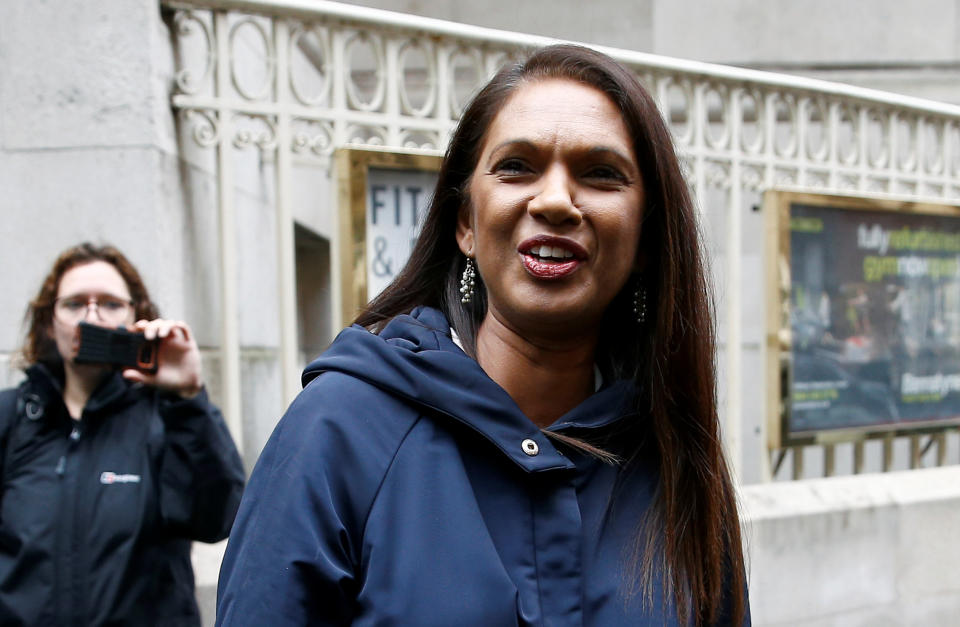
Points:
(619, 23)
(906, 47)
(811, 33)
(911, 48)
(87, 149)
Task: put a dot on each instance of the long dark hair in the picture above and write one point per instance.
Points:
(692, 532)
(39, 346)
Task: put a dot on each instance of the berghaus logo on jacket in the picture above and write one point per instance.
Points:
(108, 478)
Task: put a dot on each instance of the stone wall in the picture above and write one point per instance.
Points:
(878, 549)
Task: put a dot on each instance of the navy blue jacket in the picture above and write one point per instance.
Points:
(405, 488)
(96, 516)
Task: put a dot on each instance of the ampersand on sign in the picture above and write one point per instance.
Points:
(381, 265)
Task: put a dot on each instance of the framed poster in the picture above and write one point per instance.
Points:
(383, 196)
(863, 317)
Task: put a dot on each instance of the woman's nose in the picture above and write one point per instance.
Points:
(554, 201)
(92, 313)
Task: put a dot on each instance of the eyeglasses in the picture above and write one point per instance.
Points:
(109, 308)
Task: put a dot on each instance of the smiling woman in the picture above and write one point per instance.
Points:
(522, 429)
(557, 174)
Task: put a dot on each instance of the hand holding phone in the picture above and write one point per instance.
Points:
(116, 347)
(160, 353)
(178, 357)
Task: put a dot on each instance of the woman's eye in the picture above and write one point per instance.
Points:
(606, 173)
(512, 166)
(113, 305)
(74, 304)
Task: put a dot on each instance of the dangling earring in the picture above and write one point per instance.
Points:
(467, 282)
(640, 303)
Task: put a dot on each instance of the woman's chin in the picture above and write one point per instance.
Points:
(548, 321)
(86, 368)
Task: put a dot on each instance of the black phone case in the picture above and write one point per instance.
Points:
(116, 347)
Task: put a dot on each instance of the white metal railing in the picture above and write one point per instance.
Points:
(299, 78)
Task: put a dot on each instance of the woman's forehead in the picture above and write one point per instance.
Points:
(549, 111)
(95, 277)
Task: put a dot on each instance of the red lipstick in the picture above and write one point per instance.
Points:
(549, 257)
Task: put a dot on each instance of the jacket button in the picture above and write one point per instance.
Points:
(33, 407)
(530, 447)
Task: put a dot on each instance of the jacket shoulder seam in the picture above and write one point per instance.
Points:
(386, 473)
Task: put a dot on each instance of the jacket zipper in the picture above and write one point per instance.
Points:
(68, 596)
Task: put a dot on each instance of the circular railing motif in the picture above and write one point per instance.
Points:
(466, 73)
(313, 137)
(676, 103)
(204, 126)
(417, 78)
(310, 65)
(816, 141)
(254, 130)
(716, 118)
(250, 49)
(905, 129)
(878, 139)
(367, 134)
(784, 111)
(420, 140)
(847, 136)
(934, 133)
(190, 80)
(752, 127)
(366, 78)
(953, 149)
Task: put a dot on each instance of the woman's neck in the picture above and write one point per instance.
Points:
(79, 384)
(546, 378)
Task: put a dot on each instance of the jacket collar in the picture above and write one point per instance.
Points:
(46, 388)
(415, 358)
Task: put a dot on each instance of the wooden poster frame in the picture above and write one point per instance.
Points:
(352, 166)
(777, 205)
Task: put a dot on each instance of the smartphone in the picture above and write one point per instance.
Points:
(116, 347)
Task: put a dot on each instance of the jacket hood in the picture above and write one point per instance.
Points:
(43, 388)
(414, 358)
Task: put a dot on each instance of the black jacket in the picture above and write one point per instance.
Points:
(97, 515)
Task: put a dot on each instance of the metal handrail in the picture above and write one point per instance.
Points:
(716, 98)
(315, 9)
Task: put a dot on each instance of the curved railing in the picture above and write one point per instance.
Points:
(303, 77)
(349, 74)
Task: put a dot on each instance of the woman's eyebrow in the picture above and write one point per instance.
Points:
(529, 145)
(92, 293)
(526, 144)
(606, 150)
(617, 158)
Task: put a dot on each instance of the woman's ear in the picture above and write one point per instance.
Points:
(465, 231)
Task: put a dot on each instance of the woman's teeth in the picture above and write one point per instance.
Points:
(551, 252)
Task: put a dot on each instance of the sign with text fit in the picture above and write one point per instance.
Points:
(863, 317)
(383, 197)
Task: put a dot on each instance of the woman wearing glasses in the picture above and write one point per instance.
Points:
(107, 476)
